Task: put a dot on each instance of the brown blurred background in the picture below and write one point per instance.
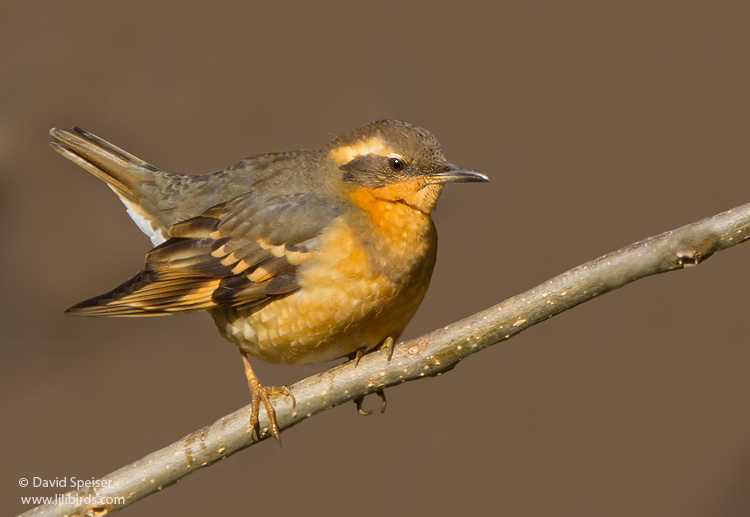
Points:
(599, 123)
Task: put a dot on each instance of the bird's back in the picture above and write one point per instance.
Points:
(156, 199)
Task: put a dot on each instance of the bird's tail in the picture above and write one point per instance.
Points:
(131, 178)
(117, 168)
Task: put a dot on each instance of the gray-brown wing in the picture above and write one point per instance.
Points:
(239, 254)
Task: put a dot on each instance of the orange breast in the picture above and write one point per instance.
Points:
(363, 284)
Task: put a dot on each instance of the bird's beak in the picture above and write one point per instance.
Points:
(455, 174)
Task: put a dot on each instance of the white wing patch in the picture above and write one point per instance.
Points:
(155, 231)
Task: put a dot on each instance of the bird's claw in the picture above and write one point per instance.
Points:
(367, 412)
(389, 344)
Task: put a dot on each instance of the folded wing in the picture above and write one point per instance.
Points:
(238, 254)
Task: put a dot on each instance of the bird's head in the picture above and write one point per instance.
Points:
(398, 162)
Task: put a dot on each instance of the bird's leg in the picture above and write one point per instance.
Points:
(261, 394)
(389, 344)
(357, 356)
(358, 401)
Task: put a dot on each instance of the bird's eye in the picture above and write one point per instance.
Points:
(396, 164)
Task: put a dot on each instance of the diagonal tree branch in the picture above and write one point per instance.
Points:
(431, 354)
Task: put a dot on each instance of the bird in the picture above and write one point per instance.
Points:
(299, 256)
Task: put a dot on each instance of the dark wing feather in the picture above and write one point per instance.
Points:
(237, 254)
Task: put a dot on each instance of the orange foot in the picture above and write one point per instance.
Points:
(260, 394)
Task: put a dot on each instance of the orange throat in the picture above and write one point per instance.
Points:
(400, 215)
(415, 193)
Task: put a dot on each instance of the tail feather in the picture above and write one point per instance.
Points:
(130, 177)
(119, 169)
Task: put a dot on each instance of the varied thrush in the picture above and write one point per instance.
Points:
(300, 256)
